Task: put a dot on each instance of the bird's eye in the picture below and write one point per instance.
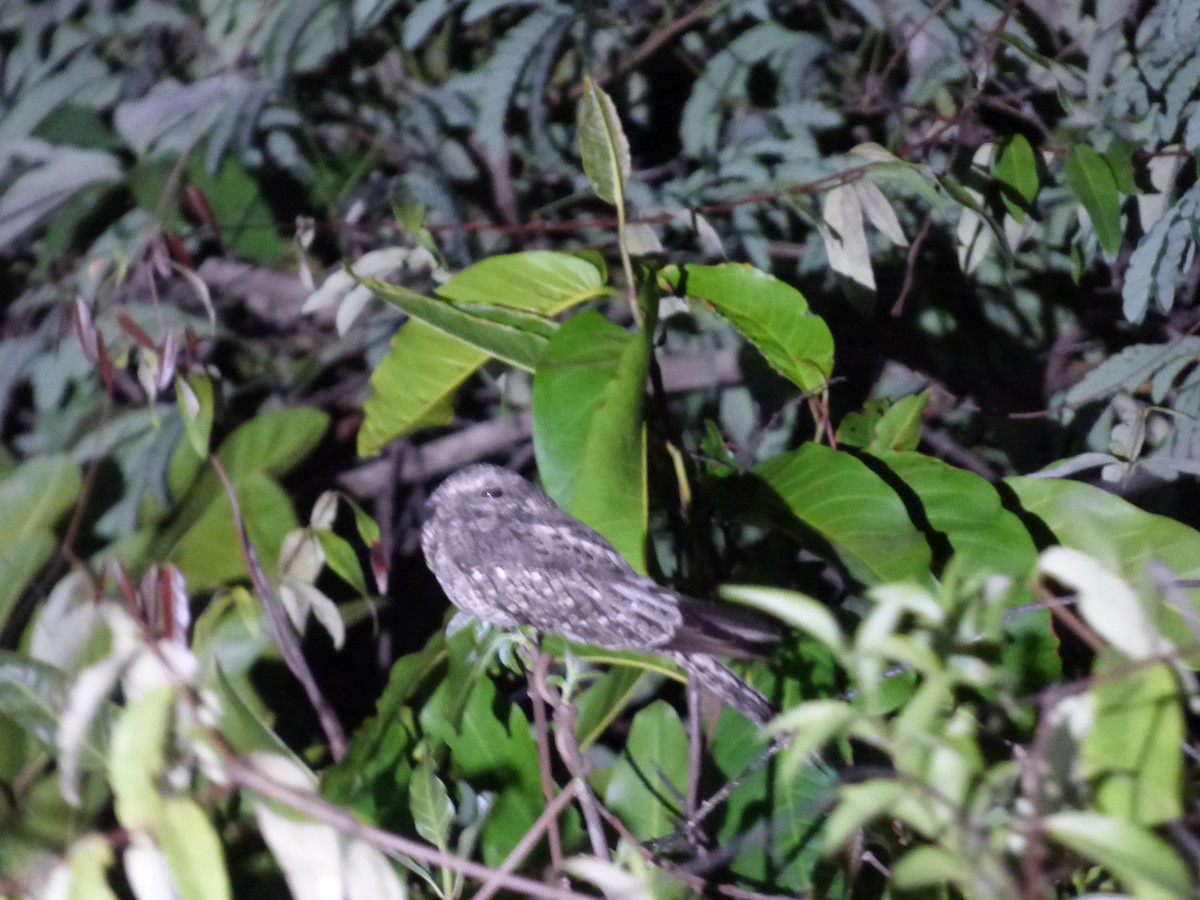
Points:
(493, 492)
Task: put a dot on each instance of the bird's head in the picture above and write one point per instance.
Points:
(485, 491)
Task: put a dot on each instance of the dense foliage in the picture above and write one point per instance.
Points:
(877, 317)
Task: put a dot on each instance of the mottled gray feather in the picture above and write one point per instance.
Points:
(503, 551)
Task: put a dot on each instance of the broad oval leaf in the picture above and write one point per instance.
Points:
(536, 281)
(769, 313)
(653, 767)
(1106, 527)
(1133, 752)
(967, 510)
(413, 385)
(193, 850)
(1136, 856)
(588, 433)
(864, 521)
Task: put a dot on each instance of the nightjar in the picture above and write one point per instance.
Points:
(504, 552)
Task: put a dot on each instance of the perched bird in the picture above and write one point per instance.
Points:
(505, 552)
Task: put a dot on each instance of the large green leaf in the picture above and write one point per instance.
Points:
(1133, 752)
(516, 338)
(274, 442)
(795, 798)
(501, 306)
(1137, 856)
(967, 510)
(138, 755)
(209, 553)
(864, 521)
(1088, 175)
(651, 773)
(1125, 538)
(413, 385)
(193, 850)
(33, 496)
(588, 433)
(500, 755)
(536, 281)
(770, 314)
(20, 560)
(202, 539)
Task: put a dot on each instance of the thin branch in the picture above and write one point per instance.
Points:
(280, 628)
(547, 822)
(542, 727)
(568, 749)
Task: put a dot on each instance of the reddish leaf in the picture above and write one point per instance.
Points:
(134, 330)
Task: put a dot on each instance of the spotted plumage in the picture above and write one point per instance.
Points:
(504, 552)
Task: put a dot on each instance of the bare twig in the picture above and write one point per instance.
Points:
(280, 628)
(910, 266)
(568, 749)
(544, 768)
(547, 822)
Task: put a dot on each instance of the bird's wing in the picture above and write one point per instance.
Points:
(706, 627)
(559, 581)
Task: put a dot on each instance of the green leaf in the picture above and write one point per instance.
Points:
(1119, 157)
(90, 858)
(194, 394)
(535, 281)
(932, 867)
(247, 222)
(588, 433)
(885, 424)
(510, 335)
(193, 850)
(864, 521)
(793, 798)
(1138, 857)
(1016, 170)
(376, 767)
(429, 359)
(655, 750)
(412, 387)
(341, 559)
(967, 509)
(33, 496)
(900, 426)
(138, 755)
(273, 443)
(33, 695)
(604, 700)
(1128, 539)
(602, 144)
(487, 750)
(432, 810)
(1088, 175)
(20, 560)
(209, 552)
(770, 314)
(1133, 752)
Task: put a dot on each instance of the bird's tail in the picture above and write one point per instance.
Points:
(706, 672)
